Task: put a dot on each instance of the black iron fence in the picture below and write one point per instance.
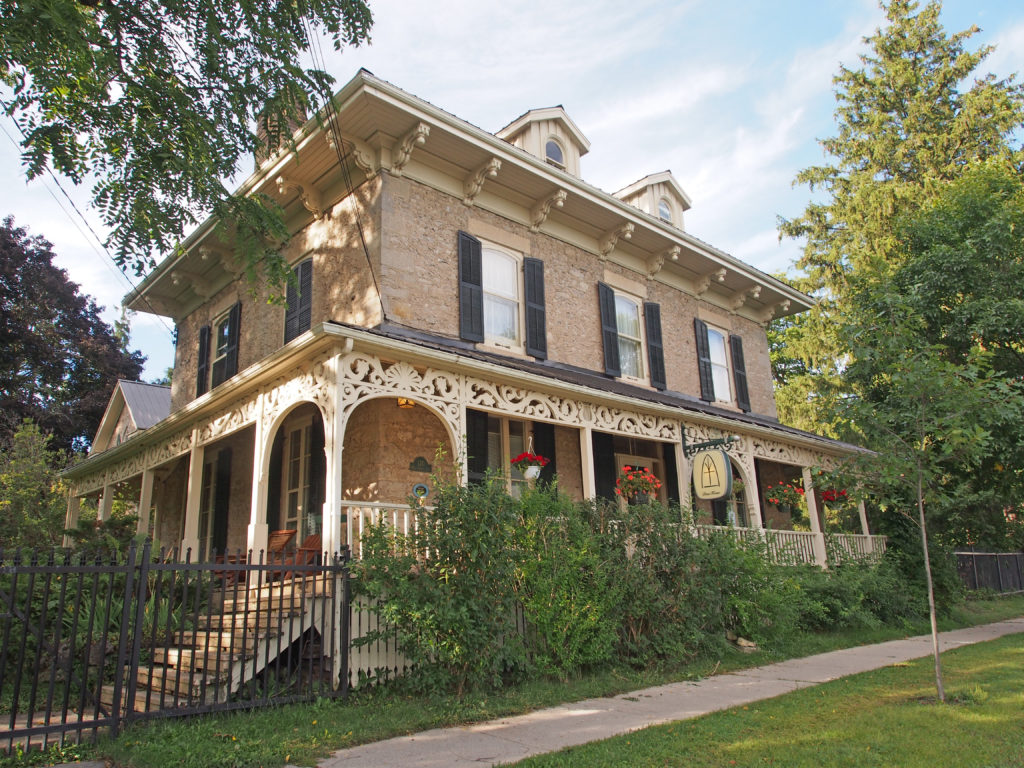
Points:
(91, 643)
(1001, 572)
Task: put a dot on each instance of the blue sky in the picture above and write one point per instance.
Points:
(729, 96)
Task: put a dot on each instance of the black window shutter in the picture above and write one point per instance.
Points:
(299, 315)
(231, 355)
(221, 500)
(655, 350)
(609, 330)
(739, 373)
(671, 472)
(544, 445)
(536, 315)
(203, 365)
(707, 383)
(471, 289)
(476, 445)
(720, 512)
(605, 471)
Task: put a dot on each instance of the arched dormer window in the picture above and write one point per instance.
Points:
(553, 153)
(665, 211)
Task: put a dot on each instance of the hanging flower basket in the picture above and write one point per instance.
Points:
(530, 464)
(784, 495)
(832, 495)
(635, 483)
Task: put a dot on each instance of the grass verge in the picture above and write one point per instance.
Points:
(883, 718)
(300, 734)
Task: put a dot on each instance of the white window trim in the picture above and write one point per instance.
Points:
(518, 346)
(561, 148)
(513, 477)
(221, 319)
(731, 395)
(304, 491)
(671, 210)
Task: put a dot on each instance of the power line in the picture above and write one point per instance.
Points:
(110, 262)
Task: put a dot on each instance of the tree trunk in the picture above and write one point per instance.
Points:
(931, 591)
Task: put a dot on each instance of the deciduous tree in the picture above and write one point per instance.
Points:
(156, 102)
(58, 360)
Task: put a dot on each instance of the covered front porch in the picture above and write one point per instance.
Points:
(353, 424)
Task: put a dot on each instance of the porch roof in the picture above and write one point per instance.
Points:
(592, 380)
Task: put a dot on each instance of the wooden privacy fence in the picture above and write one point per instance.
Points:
(1001, 572)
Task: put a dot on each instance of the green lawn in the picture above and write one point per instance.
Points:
(889, 717)
(303, 733)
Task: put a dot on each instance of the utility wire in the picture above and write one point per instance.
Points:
(110, 261)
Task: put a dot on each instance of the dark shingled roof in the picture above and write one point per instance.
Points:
(594, 380)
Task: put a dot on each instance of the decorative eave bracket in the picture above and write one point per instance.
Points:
(657, 261)
(362, 156)
(741, 298)
(607, 242)
(417, 137)
(540, 212)
(473, 183)
(309, 196)
(775, 310)
(202, 288)
(700, 287)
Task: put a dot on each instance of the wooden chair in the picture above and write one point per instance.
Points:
(308, 553)
(277, 545)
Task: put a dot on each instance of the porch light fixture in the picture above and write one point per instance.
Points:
(406, 402)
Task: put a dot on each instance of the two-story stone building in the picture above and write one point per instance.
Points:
(460, 290)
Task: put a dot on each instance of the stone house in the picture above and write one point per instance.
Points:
(460, 297)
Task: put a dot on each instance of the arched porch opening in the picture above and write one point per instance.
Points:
(296, 474)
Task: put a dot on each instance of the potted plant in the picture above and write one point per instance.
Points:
(785, 496)
(636, 482)
(530, 464)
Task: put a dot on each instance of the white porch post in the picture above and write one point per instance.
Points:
(334, 444)
(145, 501)
(587, 463)
(192, 500)
(753, 493)
(683, 471)
(863, 513)
(258, 531)
(71, 519)
(820, 557)
(106, 504)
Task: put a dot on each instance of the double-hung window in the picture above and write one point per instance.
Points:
(627, 326)
(501, 297)
(718, 355)
(218, 350)
(299, 314)
(501, 274)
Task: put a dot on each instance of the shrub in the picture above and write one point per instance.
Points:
(568, 590)
(448, 588)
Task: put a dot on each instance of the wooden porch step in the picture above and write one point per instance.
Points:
(180, 681)
(254, 621)
(214, 659)
(213, 639)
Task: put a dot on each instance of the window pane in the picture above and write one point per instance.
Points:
(501, 274)
(223, 334)
(501, 318)
(554, 152)
(720, 377)
(495, 457)
(716, 346)
(664, 211)
(630, 359)
(627, 317)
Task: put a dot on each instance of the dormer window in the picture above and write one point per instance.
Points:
(554, 155)
(664, 210)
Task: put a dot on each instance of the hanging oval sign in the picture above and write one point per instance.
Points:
(712, 475)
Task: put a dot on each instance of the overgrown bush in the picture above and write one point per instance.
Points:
(568, 589)
(448, 588)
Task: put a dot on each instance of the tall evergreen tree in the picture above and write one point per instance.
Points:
(907, 125)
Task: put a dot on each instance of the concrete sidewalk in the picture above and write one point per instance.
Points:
(515, 738)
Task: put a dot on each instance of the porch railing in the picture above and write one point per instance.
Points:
(90, 643)
(359, 515)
